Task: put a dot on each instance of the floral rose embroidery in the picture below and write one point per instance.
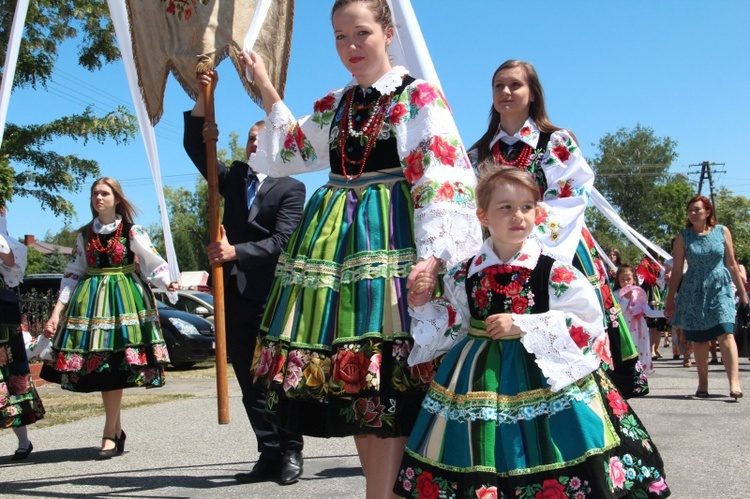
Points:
(314, 375)
(525, 131)
(19, 383)
(289, 141)
(93, 363)
(426, 487)
(278, 365)
(514, 289)
(565, 190)
(617, 472)
(443, 151)
(351, 368)
(551, 489)
(414, 166)
(324, 104)
(397, 112)
(293, 370)
(658, 486)
(480, 297)
(518, 305)
(75, 362)
(542, 216)
(617, 404)
(424, 95)
(131, 356)
(563, 274)
(561, 152)
(446, 191)
(484, 492)
(580, 338)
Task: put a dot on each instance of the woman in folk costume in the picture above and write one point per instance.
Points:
(520, 406)
(399, 201)
(105, 323)
(520, 135)
(20, 404)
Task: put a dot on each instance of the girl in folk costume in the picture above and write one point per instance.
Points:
(105, 323)
(634, 304)
(519, 406)
(399, 201)
(651, 278)
(20, 404)
(520, 135)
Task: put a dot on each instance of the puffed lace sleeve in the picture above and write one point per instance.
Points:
(74, 270)
(13, 274)
(569, 183)
(441, 322)
(566, 340)
(438, 170)
(152, 265)
(287, 146)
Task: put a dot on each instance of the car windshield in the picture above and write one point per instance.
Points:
(162, 305)
(205, 297)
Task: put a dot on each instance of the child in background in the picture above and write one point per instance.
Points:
(519, 406)
(634, 305)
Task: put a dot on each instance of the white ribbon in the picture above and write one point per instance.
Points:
(259, 16)
(120, 20)
(11, 58)
(408, 47)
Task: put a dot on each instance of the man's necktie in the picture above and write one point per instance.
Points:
(252, 181)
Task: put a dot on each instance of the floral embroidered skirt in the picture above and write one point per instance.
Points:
(624, 367)
(490, 426)
(336, 328)
(20, 404)
(109, 336)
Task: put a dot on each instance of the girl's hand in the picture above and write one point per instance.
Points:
(50, 326)
(501, 326)
(670, 308)
(255, 68)
(422, 289)
(174, 286)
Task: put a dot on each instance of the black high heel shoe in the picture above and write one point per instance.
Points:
(735, 395)
(108, 453)
(121, 442)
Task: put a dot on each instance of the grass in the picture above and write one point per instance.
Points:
(68, 406)
(206, 369)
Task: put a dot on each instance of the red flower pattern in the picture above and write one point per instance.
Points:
(561, 152)
(551, 489)
(443, 151)
(424, 95)
(426, 487)
(446, 191)
(397, 112)
(324, 104)
(414, 166)
(617, 404)
(351, 369)
(579, 336)
(563, 274)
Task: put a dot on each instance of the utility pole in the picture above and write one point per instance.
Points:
(706, 174)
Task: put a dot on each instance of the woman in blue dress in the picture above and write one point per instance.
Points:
(704, 306)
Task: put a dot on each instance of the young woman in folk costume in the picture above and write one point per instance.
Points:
(520, 135)
(105, 323)
(520, 406)
(399, 202)
(20, 404)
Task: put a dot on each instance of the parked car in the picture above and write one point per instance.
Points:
(193, 302)
(189, 338)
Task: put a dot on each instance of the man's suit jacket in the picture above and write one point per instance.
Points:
(260, 233)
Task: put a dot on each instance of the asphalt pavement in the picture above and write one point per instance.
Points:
(177, 449)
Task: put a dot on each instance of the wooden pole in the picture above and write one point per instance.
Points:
(210, 136)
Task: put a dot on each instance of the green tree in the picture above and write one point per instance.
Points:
(35, 262)
(188, 218)
(39, 172)
(55, 262)
(734, 212)
(237, 150)
(65, 237)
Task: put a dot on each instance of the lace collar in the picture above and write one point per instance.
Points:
(528, 134)
(527, 257)
(386, 83)
(101, 228)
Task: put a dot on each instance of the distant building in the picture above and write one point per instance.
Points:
(45, 248)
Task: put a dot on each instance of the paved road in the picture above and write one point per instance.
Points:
(177, 449)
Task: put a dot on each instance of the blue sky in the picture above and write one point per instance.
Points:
(680, 67)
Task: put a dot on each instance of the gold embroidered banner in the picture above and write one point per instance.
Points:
(185, 36)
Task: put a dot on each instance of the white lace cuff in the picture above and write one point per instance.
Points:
(431, 331)
(546, 336)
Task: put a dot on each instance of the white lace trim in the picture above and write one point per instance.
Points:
(388, 82)
(546, 337)
(101, 228)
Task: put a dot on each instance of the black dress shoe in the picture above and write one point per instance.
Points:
(20, 455)
(263, 471)
(121, 442)
(291, 468)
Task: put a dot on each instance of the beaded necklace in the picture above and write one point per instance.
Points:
(522, 161)
(113, 248)
(518, 277)
(368, 133)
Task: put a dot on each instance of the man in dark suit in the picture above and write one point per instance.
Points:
(260, 214)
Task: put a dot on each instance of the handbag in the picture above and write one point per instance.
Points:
(10, 308)
(741, 326)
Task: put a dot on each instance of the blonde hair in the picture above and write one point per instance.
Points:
(504, 177)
